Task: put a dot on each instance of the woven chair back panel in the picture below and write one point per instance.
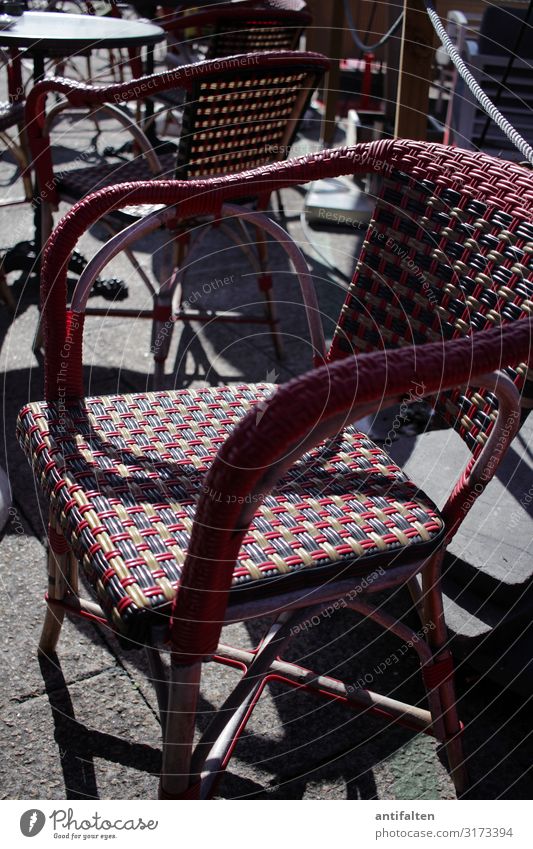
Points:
(437, 264)
(252, 37)
(234, 125)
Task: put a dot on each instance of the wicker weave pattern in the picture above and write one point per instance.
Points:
(233, 124)
(252, 38)
(439, 263)
(80, 182)
(123, 474)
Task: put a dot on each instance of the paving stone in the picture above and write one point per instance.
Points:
(81, 650)
(496, 536)
(98, 740)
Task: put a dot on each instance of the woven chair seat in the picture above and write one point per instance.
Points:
(80, 182)
(10, 115)
(124, 472)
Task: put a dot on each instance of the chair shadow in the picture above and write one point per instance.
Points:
(79, 746)
(304, 736)
(318, 741)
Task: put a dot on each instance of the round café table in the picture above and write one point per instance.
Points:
(45, 35)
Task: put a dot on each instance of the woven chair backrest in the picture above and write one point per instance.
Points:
(236, 121)
(448, 253)
(255, 33)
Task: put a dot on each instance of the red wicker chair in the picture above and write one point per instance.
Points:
(12, 117)
(239, 115)
(188, 510)
(234, 28)
(12, 122)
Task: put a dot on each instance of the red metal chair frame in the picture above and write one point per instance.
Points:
(300, 415)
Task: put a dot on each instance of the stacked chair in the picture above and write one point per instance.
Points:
(186, 510)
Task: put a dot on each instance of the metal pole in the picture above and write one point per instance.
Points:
(327, 132)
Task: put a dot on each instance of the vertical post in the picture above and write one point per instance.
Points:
(327, 133)
(392, 58)
(415, 72)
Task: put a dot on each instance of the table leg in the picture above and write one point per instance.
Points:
(38, 67)
(149, 109)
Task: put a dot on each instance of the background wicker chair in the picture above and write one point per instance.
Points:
(188, 510)
(12, 117)
(13, 136)
(240, 115)
(227, 29)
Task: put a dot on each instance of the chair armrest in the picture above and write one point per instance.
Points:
(481, 469)
(125, 238)
(189, 199)
(299, 415)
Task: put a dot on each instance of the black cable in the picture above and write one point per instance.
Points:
(370, 20)
(510, 63)
(369, 48)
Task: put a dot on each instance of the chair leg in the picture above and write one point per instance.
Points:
(178, 730)
(6, 294)
(24, 159)
(60, 572)
(162, 329)
(38, 341)
(20, 152)
(265, 285)
(439, 676)
(164, 320)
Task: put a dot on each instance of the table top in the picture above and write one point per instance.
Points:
(48, 31)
